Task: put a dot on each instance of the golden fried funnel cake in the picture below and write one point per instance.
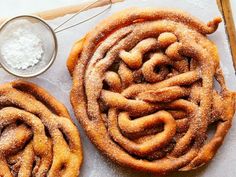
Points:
(37, 136)
(144, 90)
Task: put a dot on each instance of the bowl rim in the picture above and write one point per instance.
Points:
(44, 69)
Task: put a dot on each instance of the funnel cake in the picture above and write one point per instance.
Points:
(144, 90)
(37, 136)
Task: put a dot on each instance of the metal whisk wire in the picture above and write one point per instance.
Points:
(57, 29)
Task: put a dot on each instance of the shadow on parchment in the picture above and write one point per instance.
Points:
(126, 172)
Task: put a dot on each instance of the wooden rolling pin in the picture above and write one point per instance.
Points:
(62, 11)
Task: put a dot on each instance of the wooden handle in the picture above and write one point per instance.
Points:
(62, 11)
(225, 8)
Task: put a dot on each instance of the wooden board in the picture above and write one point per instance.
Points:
(225, 8)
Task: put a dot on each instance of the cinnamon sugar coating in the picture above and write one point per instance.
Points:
(144, 91)
(37, 136)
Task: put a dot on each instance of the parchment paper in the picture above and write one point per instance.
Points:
(58, 82)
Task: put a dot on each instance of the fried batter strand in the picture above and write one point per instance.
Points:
(143, 89)
(37, 136)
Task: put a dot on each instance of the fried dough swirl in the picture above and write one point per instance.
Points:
(37, 136)
(144, 90)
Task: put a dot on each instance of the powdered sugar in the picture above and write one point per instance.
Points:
(22, 49)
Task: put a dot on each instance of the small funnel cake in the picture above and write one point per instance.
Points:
(37, 136)
(144, 90)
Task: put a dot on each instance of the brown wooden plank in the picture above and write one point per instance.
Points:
(225, 7)
(219, 5)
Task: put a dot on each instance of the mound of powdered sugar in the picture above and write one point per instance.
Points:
(22, 48)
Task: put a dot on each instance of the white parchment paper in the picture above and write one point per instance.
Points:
(58, 82)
